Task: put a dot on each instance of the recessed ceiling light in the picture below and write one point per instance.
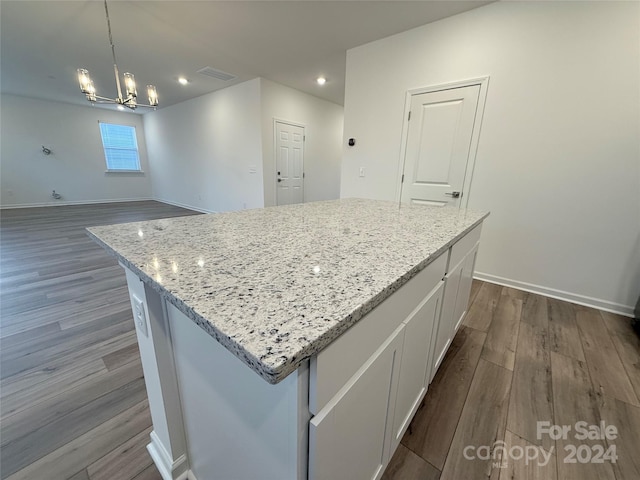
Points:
(120, 107)
(182, 81)
(321, 80)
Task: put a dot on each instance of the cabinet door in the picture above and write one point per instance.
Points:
(447, 322)
(415, 366)
(349, 438)
(464, 289)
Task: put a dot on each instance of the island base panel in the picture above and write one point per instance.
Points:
(168, 448)
(237, 425)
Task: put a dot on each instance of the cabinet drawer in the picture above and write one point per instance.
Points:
(337, 363)
(463, 246)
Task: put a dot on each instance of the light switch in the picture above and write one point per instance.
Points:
(362, 171)
(139, 316)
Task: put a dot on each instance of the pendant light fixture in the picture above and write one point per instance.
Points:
(130, 100)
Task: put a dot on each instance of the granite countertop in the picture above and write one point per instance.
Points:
(277, 285)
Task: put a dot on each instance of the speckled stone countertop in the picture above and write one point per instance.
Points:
(277, 285)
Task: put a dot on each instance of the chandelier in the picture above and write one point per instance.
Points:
(130, 101)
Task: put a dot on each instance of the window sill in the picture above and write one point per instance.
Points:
(124, 171)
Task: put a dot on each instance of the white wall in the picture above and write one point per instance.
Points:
(76, 168)
(323, 123)
(558, 161)
(201, 151)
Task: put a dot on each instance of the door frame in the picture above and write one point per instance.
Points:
(277, 120)
(483, 82)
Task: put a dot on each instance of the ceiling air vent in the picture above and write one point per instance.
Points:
(219, 74)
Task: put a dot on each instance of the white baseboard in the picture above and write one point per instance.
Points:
(183, 205)
(607, 306)
(62, 203)
(169, 469)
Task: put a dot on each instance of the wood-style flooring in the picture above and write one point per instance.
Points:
(72, 397)
(73, 403)
(520, 358)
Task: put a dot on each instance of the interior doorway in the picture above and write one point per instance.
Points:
(289, 145)
(442, 129)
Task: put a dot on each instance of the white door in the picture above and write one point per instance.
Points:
(289, 163)
(438, 147)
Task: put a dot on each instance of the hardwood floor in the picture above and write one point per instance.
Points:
(520, 358)
(73, 403)
(72, 397)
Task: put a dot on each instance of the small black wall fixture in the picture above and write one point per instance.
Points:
(45, 150)
(352, 142)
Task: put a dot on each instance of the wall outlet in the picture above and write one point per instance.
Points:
(139, 316)
(362, 171)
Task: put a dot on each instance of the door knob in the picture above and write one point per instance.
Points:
(279, 180)
(453, 194)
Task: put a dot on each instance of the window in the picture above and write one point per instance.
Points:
(120, 147)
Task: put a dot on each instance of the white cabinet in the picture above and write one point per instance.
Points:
(415, 366)
(365, 388)
(464, 287)
(335, 365)
(446, 325)
(462, 260)
(347, 438)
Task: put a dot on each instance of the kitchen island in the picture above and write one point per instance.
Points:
(292, 342)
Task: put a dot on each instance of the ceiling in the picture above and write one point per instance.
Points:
(290, 42)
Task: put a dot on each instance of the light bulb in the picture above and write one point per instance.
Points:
(182, 81)
(130, 84)
(91, 91)
(321, 80)
(84, 80)
(153, 95)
